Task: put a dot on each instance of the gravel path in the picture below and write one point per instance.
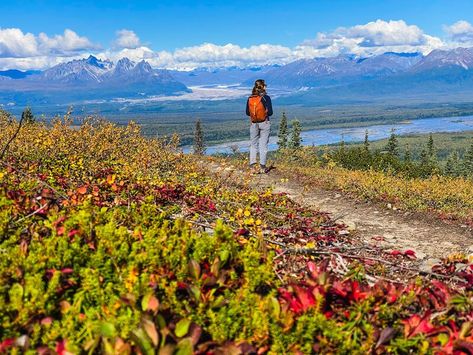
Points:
(430, 237)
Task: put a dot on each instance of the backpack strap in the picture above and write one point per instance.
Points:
(264, 104)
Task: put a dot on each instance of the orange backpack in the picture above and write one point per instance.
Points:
(258, 112)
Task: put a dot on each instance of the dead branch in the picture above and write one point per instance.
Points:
(32, 213)
(310, 251)
(4, 150)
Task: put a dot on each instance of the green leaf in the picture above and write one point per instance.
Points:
(275, 307)
(195, 291)
(184, 347)
(224, 256)
(161, 321)
(194, 269)
(107, 330)
(182, 327)
(143, 341)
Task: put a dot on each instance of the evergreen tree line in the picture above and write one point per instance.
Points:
(285, 141)
(390, 160)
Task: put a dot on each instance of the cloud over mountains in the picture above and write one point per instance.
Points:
(29, 51)
(374, 38)
(127, 39)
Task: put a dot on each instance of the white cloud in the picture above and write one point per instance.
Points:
(382, 33)
(372, 38)
(460, 32)
(212, 55)
(127, 39)
(134, 54)
(16, 44)
(69, 42)
(29, 51)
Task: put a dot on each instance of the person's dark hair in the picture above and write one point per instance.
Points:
(259, 88)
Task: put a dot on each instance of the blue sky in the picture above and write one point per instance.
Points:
(167, 26)
(173, 24)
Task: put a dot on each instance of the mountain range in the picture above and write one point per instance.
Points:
(441, 73)
(390, 76)
(90, 79)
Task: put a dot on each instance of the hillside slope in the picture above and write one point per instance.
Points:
(114, 243)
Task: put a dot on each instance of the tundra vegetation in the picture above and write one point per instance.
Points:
(115, 243)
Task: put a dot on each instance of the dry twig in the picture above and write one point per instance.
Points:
(4, 150)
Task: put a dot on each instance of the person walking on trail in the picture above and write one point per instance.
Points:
(259, 108)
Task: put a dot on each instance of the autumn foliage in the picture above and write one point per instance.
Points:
(113, 243)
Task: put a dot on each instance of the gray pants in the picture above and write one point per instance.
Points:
(259, 137)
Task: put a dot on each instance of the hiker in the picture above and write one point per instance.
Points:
(259, 108)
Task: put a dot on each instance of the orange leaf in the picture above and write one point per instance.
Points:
(82, 190)
(111, 179)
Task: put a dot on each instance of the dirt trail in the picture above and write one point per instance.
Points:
(429, 237)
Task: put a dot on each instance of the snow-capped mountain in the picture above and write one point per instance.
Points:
(220, 76)
(123, 66)
(91, 70)
(312, 80)
(437, 59)
(388, 63)
(95, 79)
(342, 69)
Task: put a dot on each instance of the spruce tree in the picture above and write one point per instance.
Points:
(407, 154)
(425, 166)
(282, 134)
(424, 158)
(452, 165)
(199, 147)
(393, 145)
(296, 139)
(468, 161)
(430, 147)
(366, 144)
(27, 116)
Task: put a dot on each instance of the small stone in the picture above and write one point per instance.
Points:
(389, 206)
(428, 264)
(338, 195)
(343, 232)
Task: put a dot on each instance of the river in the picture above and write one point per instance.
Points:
(356, 134)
